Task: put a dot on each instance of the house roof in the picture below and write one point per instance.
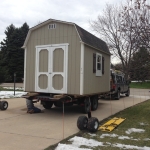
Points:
(92, 40)
(85, 36)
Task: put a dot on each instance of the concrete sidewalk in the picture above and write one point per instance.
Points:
(22, 131)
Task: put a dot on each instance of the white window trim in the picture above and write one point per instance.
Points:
(99, 72)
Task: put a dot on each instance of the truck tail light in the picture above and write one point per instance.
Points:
(113, 86)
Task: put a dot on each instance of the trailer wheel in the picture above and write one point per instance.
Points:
(118, 95)
(94, 103)
(87, 105)
(93, 124)
(47, 105)
(128, 92)
(58, 104)
(3, 105)
(82, 122)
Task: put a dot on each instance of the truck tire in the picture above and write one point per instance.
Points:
(128, 92)
(87, 106)
(47, 105)
(94, 103)
(93, 124)
(3, 105)
(118, 95)
(82, 122)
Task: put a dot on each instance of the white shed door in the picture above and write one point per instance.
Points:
(51, 68)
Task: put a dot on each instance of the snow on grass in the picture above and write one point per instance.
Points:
(78, 141)
(123, 146)
(129, 131)
(144, 124)
(10, 94)
(108, 135)
(119, 137)
(92, 134)
(69, 147)
(11, 88)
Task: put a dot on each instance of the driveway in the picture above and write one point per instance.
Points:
(19, 130)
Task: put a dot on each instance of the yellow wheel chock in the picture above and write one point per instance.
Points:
(111, 124)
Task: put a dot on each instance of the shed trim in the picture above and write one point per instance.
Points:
(82, 69)
(78, 33)
(24, 79)
(61, 44)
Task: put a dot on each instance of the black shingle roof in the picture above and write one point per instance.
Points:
(92, 40)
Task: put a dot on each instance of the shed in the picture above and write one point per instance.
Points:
(63, 58)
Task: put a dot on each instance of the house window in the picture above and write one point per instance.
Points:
(98, 64)
(51, 26)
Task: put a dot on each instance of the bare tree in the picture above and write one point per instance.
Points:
(124, 30)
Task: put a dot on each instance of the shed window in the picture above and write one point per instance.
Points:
(98, 64)
(51, 26)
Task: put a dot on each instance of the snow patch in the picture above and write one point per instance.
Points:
(108, 135)
(69, 147)
(92, 134)
(129, 131)
(123, 146)
(78, 141)
(10, 94)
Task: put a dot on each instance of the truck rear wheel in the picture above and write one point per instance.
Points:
(118, 95)
(93, 124)
(82, 122)
(128, 92)
(94, 102)
(47, 105)
(3, 105)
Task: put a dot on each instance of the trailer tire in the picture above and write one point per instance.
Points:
(82, 122)
(87, 105)
(58, 104)
(93, 124)
(94, 103)
(47, 105)
(3, 105)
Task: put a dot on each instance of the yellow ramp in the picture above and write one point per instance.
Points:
(111, 124)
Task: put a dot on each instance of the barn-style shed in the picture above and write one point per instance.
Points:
(61, 57)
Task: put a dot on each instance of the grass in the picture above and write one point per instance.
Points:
(134, 116)
(140, 85)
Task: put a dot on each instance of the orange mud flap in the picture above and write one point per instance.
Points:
(111, 124)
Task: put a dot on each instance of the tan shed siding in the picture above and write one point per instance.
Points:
(64, 33)
(93, 83)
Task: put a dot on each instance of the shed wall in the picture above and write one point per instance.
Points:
(64, 33)
(93, 83)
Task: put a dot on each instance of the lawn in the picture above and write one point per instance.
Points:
(140, 85)
(137, 118)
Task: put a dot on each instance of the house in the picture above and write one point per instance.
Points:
(63, 58)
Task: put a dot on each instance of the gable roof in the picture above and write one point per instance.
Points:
(85, 36)
(92, 40)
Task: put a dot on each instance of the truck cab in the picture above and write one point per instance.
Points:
(118, 84)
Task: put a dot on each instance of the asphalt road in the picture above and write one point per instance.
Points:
(22, 131)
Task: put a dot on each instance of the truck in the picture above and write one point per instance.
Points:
(118, 84)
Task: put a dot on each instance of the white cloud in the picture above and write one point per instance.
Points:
(32, 11)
